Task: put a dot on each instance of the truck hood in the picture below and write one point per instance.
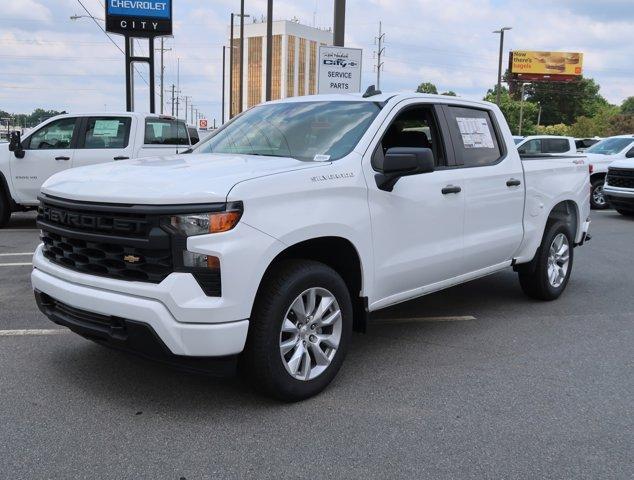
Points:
(176, 179)
(623, 163)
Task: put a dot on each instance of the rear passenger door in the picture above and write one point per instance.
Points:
(103, 139)
(493, 187)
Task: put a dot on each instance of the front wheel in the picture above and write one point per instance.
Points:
(625, 213)
(299, 330)
(547, 278)
(597, 197)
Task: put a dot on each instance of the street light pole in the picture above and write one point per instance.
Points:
(521, 109)
(231, 69)
(269, 48)
(224, 63)
(241, 93)
(339, 23)
(501, 32)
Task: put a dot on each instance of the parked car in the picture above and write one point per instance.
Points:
(547, 144)
(619, 186)
(68, 141)
(279, 234)
(600, 156)
(584, 143)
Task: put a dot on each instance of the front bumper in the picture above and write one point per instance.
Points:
(166, 312)
(619, 197)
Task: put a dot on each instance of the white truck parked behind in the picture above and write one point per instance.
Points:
(75, 140)
(600, 156)
(277, 236)
(547, 144)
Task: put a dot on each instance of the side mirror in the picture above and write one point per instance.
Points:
(630, 154)
(15, 145)
(401, 162)
(521, 151)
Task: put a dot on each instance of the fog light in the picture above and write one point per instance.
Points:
(200, 260)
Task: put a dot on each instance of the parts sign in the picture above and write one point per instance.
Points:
(339, 69)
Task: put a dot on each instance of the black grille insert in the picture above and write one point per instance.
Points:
(620, 178)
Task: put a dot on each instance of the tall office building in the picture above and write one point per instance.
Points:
(294, 62)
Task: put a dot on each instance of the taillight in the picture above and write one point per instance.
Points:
(591, 168)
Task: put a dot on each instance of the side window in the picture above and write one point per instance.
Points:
(556, 145)
(532, 147)
(474, 138)
(165, 131)
(193, 135)
(413, 127)
(106, 132)
(55, 135)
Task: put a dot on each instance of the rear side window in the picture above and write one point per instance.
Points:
(106, 132)
(165, 131)
(193, 135)
(556, 145)
(473, 135)
(532, 147)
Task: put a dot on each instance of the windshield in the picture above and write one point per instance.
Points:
(300, 130)
(610, 146)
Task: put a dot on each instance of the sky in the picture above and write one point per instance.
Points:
(53, 62)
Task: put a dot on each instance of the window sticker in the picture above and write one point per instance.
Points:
(106, 128)
(475, 132)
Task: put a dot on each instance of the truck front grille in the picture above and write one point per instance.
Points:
(620, 178)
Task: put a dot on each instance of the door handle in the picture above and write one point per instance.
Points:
(451, 189)
(121, 158)
(513, 182)
(62, 158)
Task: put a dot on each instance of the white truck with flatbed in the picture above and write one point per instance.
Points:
(75, 140)
(277, 236)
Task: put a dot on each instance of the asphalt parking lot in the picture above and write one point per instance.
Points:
(474, 382)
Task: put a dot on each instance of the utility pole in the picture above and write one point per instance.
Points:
(173, 88)
(191, 115)
(339, 23)
(178, 84)
(269, 48)
(519, 132)
(231, 70)
(186, 99)
(539, 114)
(162, 50)
(224, 64)
(379, 54)
(241, 92)
(499, 89)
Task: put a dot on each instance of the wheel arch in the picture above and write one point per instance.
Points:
(341, 255)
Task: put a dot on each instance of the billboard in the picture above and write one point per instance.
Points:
(533, 65)
(339, 69)
(139, 18)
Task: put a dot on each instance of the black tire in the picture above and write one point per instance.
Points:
(534, 277)
(5, 209)
(261, 361)
(625, 213)
(595, 203)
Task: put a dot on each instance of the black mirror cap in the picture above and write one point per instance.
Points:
(14, 142)
(404, 161)
(630, 154)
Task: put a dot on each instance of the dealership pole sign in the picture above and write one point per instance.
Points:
(339, 69)
(134, 19)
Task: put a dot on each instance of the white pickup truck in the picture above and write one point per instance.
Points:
(600, 156)
(547, 144)
(619, 186)
(276, 237)
(75, 140)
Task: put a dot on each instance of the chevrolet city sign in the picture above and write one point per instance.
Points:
(139, 18)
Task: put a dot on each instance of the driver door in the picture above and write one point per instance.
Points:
(47, 151)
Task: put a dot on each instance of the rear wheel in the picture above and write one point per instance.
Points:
(299, 330)
(547, 277)
(627, 213)
(5, 209)
(597, 197)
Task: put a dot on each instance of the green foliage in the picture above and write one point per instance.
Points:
(559, 129)
(583, 127)
(627, 107)
(511, 110)
(30, 120)
(621, 124)
(449, 93)
(565, 102)
(427, 87)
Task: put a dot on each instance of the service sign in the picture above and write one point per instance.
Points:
(339, 69)
(139, 18)
(203, 124)
(546, 63)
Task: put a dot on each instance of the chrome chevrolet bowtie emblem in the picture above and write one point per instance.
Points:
(131, 259)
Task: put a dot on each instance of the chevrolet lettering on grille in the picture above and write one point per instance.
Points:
(91, 221)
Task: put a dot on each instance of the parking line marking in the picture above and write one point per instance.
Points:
(457, 318)
(16, 254)
(32, 332)
(19, 264)
(20, 230)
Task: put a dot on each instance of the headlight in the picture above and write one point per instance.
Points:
(204, 223)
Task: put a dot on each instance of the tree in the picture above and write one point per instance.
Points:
(620, 124)
(627, 107)
(565, 102)
(559, 129)
(450, 93)
(427, 87)
(511, 111)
